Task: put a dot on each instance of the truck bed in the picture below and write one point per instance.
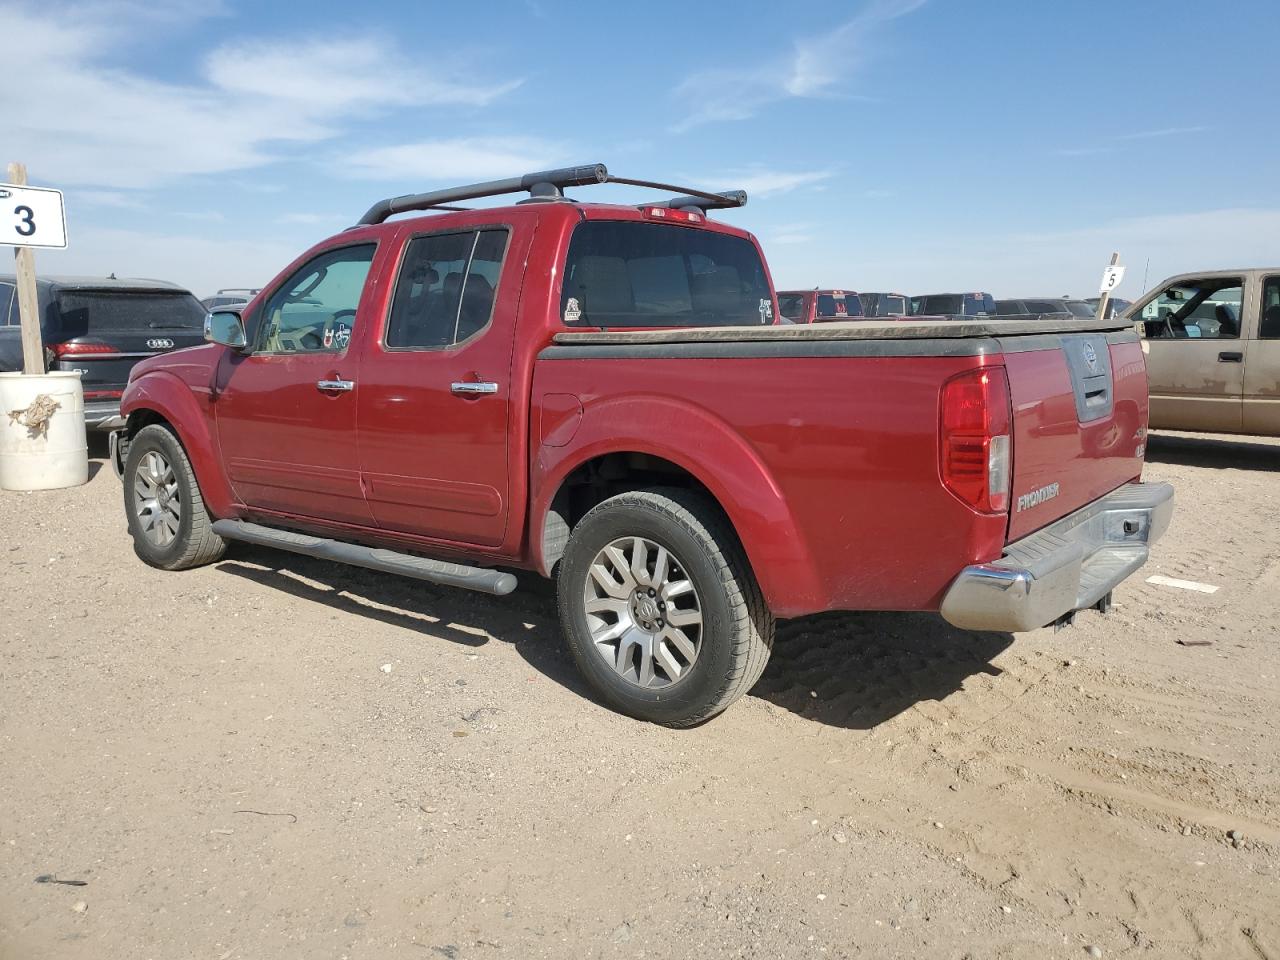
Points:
(927, 328)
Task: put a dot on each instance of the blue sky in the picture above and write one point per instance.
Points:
(892, 144)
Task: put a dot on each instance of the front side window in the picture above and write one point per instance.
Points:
(315, 310)
(1045, 306)
(445, 292)
(1206, 309)
(633, 274)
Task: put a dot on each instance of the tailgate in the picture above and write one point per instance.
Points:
(1079, 421)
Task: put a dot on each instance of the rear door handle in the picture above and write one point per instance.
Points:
(473, 388)
(1230, 356)
(336, 386)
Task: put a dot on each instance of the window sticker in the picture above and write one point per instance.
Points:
(572, 312)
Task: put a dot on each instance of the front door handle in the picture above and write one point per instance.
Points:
(1230, 356)
(335, 386)
(473, 388)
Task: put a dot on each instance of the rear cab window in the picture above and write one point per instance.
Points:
(82, 313)
(791, 306)
(838, 305)
(633, 274)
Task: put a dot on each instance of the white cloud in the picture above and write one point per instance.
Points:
(1162, 132)
(816, 66)
(313, 219)
(78, 120)
(763, 182)
(459, 159)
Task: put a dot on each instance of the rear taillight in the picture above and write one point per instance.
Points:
(975, 456)
(61, 350)
(103, 394)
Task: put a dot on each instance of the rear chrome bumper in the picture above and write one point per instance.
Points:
(1069, 565)
(103, 415)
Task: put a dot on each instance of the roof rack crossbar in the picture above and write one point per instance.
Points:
(547, 185)
(726, 200)
(540, 184)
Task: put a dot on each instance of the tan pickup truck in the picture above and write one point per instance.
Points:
(1212, 342)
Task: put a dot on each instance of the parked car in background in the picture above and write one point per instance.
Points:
(101, 328)
(1115, 306)
(1212, 342)
(885, 304)
(598, 393)
(819, 306)
(953, 304)
(1041, 305)
(229, 297)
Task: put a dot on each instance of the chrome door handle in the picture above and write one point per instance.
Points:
(474, 388)
(337, 386)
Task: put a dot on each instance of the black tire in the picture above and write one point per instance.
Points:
(194, 544)
(737, 628)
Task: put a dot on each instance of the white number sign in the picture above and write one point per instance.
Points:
(1111, 278)
(31, 217)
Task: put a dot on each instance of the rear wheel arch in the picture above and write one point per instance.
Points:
(598, 478)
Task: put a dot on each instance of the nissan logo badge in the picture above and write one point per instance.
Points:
(1091, 356)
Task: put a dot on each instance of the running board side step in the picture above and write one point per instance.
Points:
(387, 561)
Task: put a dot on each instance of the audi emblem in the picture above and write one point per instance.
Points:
(160, 343)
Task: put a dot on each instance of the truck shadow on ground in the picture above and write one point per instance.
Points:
(1222, 453)
(864, 668)
(857, 670)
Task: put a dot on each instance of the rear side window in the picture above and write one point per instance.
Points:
(445, 292)
(1008, 308)
(1081, 309)
(88, 312)
(630, 274)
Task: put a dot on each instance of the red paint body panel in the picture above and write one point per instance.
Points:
(1050, 445)
(827, 466)
(835, 510)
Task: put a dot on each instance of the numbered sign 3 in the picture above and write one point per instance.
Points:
(31, 217)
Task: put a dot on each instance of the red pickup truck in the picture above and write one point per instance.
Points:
(601, 394)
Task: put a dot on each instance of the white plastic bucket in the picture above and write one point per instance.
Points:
(38, 450)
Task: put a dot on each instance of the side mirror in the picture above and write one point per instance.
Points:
(225, 327)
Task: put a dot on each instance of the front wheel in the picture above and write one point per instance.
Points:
(660, 608)
(170, 527)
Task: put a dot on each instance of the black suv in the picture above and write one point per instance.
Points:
(101, 327)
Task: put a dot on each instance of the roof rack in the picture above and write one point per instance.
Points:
(547, 185)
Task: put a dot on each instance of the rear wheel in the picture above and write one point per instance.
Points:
(170, 527)
(660, 609)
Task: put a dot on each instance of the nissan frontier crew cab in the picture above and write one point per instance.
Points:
(602, 394)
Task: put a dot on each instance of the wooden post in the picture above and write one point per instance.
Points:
(1105, 297)
(28, 302)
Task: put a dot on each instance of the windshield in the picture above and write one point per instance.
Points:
(628, 274)
(85, 312)
(791, 306)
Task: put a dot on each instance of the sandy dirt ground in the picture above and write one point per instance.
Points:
(281, 758)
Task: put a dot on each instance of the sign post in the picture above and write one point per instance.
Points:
(1111, 278)
(30, 217)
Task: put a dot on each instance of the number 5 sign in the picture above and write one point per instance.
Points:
(31, 217)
